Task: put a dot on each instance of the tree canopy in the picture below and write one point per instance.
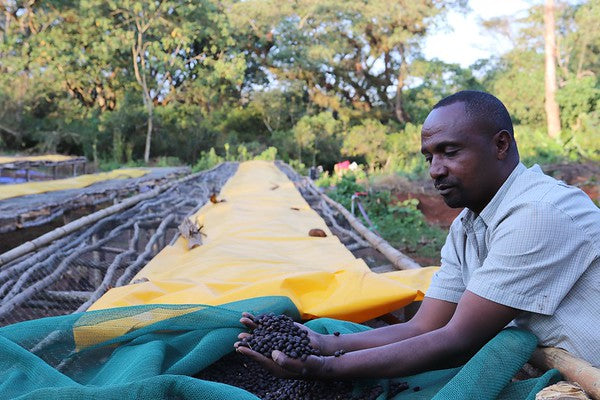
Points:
(317, 79)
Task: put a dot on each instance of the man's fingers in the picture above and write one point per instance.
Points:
(248, 323)
(248, 320)
(244, 335)
(246, 351)
(288, 363)
(311, 367)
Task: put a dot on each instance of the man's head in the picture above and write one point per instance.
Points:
(469, 143)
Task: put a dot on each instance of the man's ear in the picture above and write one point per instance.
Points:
(502, 142)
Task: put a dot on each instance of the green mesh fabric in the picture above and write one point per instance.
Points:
(39, 359)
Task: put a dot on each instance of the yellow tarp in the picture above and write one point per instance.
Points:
(256, 243)
(47, 157)
(23, 189)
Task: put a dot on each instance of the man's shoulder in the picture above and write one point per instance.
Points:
(536, 188)
(538, 194)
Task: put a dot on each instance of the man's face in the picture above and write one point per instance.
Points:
(462, 160)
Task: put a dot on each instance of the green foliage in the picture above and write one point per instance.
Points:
(405, 157)
(298, 166)
(536, 147)
(584, 142)
(335, 48)
(367, 140)
(577, 98)
(207, 160)
(345, 188)
(325, 180)
(437, 80)
(404, 226)
(168, 162)
(518, 81)
(579, 101)
(303, 77)
(269, 154)
(109, 165)
(320, 136)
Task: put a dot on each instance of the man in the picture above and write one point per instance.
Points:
(524, 251)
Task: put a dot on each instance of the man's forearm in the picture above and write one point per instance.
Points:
(368, 339)
(432, 350)
(433, 314)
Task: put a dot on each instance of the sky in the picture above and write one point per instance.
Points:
(467, 41)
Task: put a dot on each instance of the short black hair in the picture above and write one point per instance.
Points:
(483, 108)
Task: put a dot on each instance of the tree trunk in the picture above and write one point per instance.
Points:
(148, 136)
(401, 115)
(552, 111)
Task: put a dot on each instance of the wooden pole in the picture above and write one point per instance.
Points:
(572, 368)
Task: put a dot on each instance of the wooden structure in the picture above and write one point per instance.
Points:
(47, 162)
(30, 211)
(69, 268)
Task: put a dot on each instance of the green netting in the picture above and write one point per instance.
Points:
(40, 359)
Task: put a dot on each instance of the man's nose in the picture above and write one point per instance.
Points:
(437, 168)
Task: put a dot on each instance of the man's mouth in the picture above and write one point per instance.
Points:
(444, 189)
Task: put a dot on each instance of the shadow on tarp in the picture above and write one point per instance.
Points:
(152, 352)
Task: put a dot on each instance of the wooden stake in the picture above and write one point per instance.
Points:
(572, 368)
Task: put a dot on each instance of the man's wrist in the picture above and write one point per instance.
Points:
(329, 344)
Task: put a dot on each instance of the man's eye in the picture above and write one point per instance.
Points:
(450, 153)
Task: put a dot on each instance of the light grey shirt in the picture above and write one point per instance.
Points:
(534, 247)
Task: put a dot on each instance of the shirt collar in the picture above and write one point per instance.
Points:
(490, 209)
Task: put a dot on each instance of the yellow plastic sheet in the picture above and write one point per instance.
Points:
(23, 189)
(47, 157)
(256, 243)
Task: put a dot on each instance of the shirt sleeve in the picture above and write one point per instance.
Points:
(447, 283)
(535, 257)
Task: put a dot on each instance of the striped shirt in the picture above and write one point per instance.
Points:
(535, 247)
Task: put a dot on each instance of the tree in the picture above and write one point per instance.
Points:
(551, 106)
(161, 36)
(347, 54)
(367, 140)
(317, 133)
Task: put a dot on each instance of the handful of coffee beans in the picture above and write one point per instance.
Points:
(279, 332)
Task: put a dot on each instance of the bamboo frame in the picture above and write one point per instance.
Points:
(69, 274)
(572, 368)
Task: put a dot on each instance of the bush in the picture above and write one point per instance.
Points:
(168, 162)
(405, 157)
(269, 154)
(207, 160)
(536, 147)
(584, 142)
